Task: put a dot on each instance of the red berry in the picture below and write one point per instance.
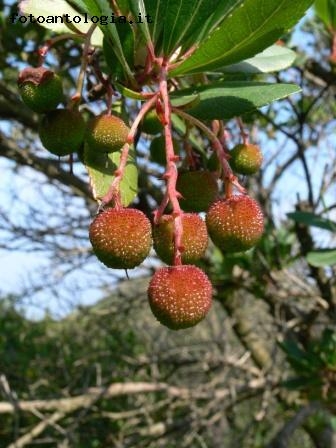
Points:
(235, 224)
(121, 238)
(180, 296)
(194, 238)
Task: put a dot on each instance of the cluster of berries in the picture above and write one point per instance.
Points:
(179, 295)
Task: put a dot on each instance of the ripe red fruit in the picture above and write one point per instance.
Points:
(121, 238)
(235, 224)
(199, 189)
(180, 296)
(246, 159)
(40, 88)
(62, 131)
(106, 133)
(194, 238)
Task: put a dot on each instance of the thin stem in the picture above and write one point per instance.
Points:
(228, 175)
(113, 193)
(42, 51)
(172, 195)
(243, 133)
(86, 52)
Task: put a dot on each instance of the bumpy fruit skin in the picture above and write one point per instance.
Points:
(121, 238)
(106, 133)
(194, 238)
(62, 131)
(157, 149)
(235, 224)
(151, 123)
(41, 89)
(180, 296)
(246, 159)
(199, 189)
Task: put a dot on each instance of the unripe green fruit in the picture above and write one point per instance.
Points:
(121, 238)
(157, 149)
(41, 89)
(199, 189)
(246, 159)
(62, 131)
(180, 296)
(194, 238)
(106, 133)
(235, 224)
(151, 123)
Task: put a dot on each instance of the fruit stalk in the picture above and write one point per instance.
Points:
(86, 52)
(243, 133)
(228, 176)
(170, 175)
(113, 193)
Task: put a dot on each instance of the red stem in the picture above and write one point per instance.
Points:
(113, 193)
(228, 175)
(243, 133)
(172, 195)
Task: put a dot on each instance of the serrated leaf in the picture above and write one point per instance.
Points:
(225, 100)
(138, 6)
(50, 8)
(101, 166)
(310, 219)
(273, 59)
(250, 28)
(322, 257)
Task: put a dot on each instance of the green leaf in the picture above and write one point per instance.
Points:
(310, 219)
(225, 100)
(326, 11)
(273, 59)
(102, 8)
(101, 167)
(322, 257)
(250, 28)
(182, 18)
(50, 8)
(138, 6)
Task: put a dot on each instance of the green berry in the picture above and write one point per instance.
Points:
(199, 189)
(194, 238)
(121, 238)
(235, 224)
(151, 123)
(41, 89)
(62, 131)
(106, 133)
(246, 159)
(180, 296)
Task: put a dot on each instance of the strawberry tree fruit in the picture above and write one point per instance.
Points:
(180, 296)
(40, 89)
(235, 224)
(121, 237)
(199, 189)
(246, 158)
(194, 238)
(62, 131)
(106, 133)
(151, 123)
